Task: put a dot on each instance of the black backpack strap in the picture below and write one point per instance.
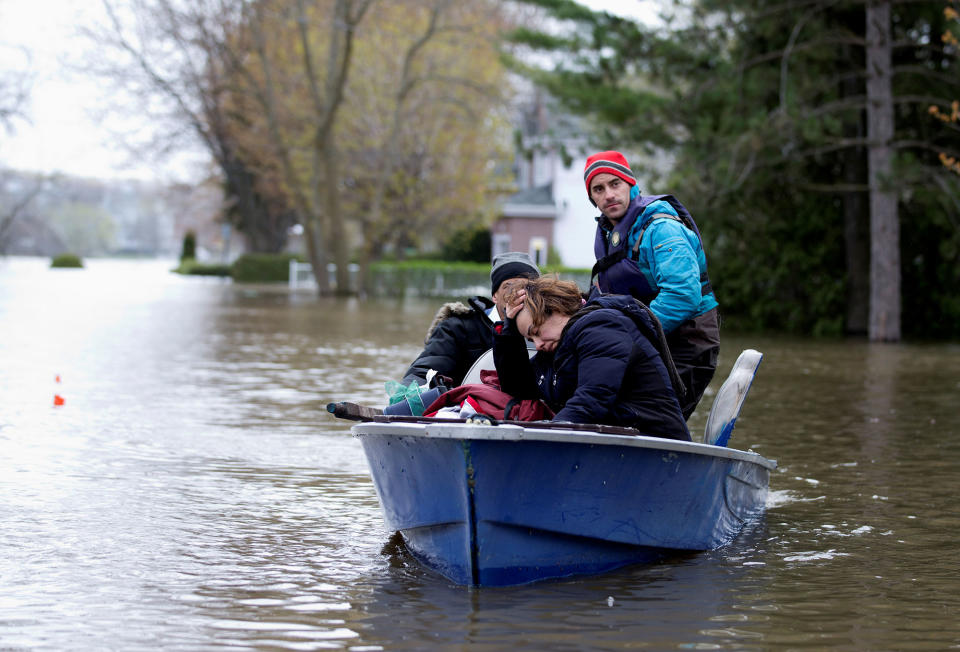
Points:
(635, 253)
(512, 403)
(705, 286)
(659, 341)
(605, 263)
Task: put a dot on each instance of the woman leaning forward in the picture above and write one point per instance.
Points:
(596, 362)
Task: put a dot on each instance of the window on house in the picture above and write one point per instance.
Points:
(500, 243)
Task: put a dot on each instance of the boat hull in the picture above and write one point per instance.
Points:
(502, 505)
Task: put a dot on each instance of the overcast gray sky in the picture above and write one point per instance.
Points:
(62, 135)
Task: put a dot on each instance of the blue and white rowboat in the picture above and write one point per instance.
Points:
(495, 505)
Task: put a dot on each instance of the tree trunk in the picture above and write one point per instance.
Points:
(884, 323)
(856, 218)
(316, 256)
(364, 277)
(324, 183)
(337, 239)
(856, 231)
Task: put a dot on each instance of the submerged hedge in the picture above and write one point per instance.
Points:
(191, 267)
(440, 278)
(262, 268)
(66, 260)
(387, 278)
(248, 268)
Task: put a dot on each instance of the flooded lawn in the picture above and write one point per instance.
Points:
(193, 493)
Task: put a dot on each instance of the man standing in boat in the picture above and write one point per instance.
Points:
(461, 333)
(650, 247)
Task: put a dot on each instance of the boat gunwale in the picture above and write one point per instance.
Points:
(509, 432)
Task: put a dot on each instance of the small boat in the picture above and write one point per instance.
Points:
(489, 503)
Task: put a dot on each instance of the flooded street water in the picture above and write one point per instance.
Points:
(192, 492)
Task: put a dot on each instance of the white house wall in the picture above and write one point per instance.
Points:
(576, 224)
(574, 228)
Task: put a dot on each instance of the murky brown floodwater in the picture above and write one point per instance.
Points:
(192, 493)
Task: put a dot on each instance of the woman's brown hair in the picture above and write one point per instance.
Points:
(548, 295)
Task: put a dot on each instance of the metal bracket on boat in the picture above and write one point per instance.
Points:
(481, 420)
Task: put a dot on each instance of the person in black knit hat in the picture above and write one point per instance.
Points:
(461, 333)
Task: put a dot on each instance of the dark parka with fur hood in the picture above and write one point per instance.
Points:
(606, 369)
(460, 334)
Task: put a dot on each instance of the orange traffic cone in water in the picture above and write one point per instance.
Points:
(57, 399)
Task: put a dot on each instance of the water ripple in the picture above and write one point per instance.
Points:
(194, 494)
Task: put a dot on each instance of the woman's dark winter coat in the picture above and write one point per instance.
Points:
(605, 370)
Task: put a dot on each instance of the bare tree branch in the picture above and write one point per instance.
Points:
(10, 215)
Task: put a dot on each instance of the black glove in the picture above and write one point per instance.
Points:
(441, 381)
(509, 326)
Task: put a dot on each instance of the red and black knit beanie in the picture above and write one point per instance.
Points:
(610, 163)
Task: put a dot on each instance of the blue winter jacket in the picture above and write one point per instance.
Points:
(605, 370)
(670, 258)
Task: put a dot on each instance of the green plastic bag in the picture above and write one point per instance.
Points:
(399, 392)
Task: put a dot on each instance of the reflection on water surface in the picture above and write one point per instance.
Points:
(193, 493)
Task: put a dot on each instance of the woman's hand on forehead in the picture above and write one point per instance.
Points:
(514, 307)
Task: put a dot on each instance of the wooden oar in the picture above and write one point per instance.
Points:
(354, 412)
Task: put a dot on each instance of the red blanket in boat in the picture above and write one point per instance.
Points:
(489, 400)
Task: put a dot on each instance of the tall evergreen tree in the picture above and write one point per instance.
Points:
(772, 113)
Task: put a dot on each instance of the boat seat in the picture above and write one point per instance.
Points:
(728, 401)
(485, 361)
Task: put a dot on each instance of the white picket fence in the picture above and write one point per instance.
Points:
(301, 275)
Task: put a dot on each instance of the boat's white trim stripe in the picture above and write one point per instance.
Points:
(518, 433)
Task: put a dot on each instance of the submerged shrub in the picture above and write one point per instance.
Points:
(189, 249)
(191, 267)
(66, 260)
(262, 268)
